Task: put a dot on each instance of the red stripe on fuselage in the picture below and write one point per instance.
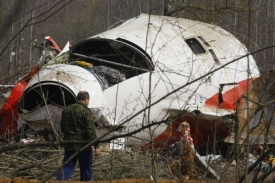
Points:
(230, 97)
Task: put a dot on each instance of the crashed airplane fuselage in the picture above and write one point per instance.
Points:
(151, 69)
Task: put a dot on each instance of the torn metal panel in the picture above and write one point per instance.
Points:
(205, 167)
(256, 119)
(53, 88)
(108, 76)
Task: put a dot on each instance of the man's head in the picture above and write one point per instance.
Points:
(84, 97)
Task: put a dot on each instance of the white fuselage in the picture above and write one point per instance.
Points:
(181, 80)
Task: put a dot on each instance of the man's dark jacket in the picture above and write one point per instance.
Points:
(77, 124)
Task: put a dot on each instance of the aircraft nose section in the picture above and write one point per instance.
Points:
(54, 88)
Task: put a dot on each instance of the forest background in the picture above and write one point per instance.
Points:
(25, 23)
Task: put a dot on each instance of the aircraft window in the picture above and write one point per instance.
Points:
(140, 49)
(204, 42)
(195, 46)
(121, 55)
(214, 57)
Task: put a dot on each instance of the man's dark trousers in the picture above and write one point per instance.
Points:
(85, 164)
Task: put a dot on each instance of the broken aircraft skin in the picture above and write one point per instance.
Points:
(174, 69)
(256, 123)
(8, 112)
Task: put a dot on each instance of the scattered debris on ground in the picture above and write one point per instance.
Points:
(35, 163)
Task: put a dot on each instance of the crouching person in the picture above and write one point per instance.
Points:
(186, 149)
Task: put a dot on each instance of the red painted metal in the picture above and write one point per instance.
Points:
(54, 45)
(8, 112)
(202, 131)
(230, 97)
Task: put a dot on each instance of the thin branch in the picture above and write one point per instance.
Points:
(12, 147)
(27, 24)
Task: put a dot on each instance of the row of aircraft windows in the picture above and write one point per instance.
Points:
(197, 48)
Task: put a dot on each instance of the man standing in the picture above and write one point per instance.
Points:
(77, 124)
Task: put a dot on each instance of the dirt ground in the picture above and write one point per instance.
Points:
(235, 172)
(21, 180)
(228, 177)
(112, 167)
(115, 166)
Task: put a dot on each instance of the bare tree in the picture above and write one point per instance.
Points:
(33, 20)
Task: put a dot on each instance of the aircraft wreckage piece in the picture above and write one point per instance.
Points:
(8, 113)
(256, 117)
(150, 69)
(56, 86)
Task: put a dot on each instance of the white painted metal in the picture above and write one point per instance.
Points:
(72, 77)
